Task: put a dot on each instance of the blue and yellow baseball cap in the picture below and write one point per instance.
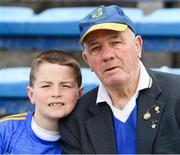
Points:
(108, 18)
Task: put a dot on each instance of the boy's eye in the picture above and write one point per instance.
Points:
(44, 86)
(66, 86)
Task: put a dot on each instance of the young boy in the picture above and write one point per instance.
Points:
(55, 86)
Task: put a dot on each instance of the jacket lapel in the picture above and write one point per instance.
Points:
(149, 115)
(100, 129)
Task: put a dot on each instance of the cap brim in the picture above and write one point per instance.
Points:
(105, 26)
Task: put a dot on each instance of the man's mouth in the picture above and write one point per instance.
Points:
(110, 69)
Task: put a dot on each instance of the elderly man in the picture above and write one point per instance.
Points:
(133, 109)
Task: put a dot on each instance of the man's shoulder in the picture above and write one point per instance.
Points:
(166, 83)
(163, 77)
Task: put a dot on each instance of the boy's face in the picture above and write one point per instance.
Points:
(55, 92)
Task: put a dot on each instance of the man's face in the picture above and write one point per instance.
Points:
(114, 56)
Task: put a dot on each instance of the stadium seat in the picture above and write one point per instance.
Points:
(160, 30)
(168, 70)
(64, 21)
(13, 83)
(13, 19)
(16, 13)
(52, 28)
(162, 22)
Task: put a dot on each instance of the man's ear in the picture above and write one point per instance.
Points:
(139, 44)
(30, 92)
(85, 57)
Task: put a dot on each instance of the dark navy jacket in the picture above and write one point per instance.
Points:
(89, 128)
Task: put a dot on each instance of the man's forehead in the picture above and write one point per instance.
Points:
(95, 35)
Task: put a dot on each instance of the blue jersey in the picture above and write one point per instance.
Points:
(17, 137)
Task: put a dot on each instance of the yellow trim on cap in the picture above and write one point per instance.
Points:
(106, 26)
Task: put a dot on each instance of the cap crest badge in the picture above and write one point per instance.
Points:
(97, 13)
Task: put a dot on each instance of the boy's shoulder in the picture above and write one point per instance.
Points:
(15, 117)
(12, 122)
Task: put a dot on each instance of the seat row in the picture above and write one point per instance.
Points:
(13, 83)
(22, 29)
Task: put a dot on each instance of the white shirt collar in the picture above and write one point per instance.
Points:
(145, 81)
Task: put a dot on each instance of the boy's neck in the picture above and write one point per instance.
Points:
(44, 133)
(46, 123)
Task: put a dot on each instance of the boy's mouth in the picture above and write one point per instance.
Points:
(55, 104)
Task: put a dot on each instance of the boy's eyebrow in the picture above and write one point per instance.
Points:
(63, 82)
(45, 82)
(70, 82)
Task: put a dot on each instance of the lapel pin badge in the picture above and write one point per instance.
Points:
(154, 123)
(147, 115)
(157, 109)
(153, 126)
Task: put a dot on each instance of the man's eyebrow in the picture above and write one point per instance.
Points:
(114, 36)
(91, 43)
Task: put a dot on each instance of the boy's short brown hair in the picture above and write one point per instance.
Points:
(55, 57)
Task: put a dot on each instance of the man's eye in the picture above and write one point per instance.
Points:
(117, 42)
(94, 50)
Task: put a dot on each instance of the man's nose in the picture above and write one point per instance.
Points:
(107, 52)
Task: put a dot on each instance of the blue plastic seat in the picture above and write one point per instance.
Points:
(162, 22)
(52, 28)
(168, 70)
(65, 21)
(13, 19)
(13, 83)
(15, 13)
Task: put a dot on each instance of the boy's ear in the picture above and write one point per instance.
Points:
(81, 90)
(30, 94)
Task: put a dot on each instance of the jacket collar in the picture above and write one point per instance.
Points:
(147, 126)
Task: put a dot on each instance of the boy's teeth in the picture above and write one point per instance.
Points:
(54, 104)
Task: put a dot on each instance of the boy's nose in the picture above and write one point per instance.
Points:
(56, 92)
